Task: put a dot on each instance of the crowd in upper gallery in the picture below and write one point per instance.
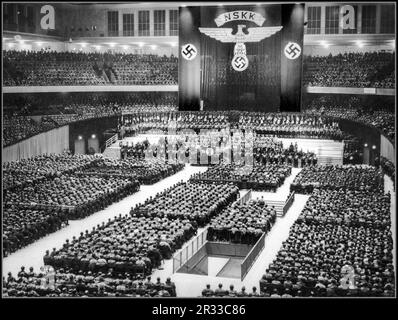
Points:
(44, 68)
(359, 70)
(50, 68)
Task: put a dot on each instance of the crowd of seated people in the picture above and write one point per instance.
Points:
(364, 70)
(291, 125)
(341, 244)
(326, 260)
(50, 68)
(24, 225)
(231, 292)
(375, 112)
(242, 222)
(84, 194)
(145, 172)
(370, 208)
(25, 171)
(256, 177)
(270, 150)
(125, 244)
(335, 177)
(198, 202)
(65, 283)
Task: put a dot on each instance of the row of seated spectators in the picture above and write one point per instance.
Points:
(257, 177)
(341, 244)
(65, 283)
(145, 172)
(370, 208)
(336, 177)
(50, 68)
(198, 202)
(125, 244)
(55, 186)
(221, 292)
(360, 70)
(376, 111)
(311, 261)
(242, 222)
(23, 225)
(22, 172)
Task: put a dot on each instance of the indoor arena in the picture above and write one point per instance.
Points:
(198, 149)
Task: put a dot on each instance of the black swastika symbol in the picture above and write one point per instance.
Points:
(189, 51)
(292, 50)
(240, 62)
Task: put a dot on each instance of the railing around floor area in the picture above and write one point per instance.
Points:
(246, 197)
(252, 256)
(188, 250)
(111, 141)
(288, 203)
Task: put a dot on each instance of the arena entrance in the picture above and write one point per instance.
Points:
(217, 259)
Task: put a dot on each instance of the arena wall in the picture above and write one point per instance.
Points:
(387, 149)
(53, 141)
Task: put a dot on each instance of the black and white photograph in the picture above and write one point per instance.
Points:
(198, 150)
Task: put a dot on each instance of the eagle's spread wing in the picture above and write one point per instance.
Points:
(221, 34)
(260, 33)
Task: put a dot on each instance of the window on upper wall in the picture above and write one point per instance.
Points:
(355, 30)
(387, 18)
(369, 19)
(314, 20)
(143, 23)
(113, 23)
(31, 17)
(159, 22)
(174, 22)
(332, 20)
(9, 13)
(128, 25)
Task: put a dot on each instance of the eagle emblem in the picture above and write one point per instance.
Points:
(254, 34)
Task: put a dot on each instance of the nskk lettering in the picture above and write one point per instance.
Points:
(239, 15)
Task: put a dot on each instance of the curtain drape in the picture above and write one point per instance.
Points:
(256, 88)
(53, 141)
(387, 149)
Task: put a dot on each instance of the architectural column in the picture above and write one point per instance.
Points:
(323, 18)
(151, 23)
(359, 17)
(120, 13)
(135, 23)
(167, 22)
(378, 18)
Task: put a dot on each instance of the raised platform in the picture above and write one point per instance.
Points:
(327, 151)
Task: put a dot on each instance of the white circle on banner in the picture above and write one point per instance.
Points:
(292, 50)
(189, 51)
(240, 62)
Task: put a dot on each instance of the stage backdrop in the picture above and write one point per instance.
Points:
(241, 57)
